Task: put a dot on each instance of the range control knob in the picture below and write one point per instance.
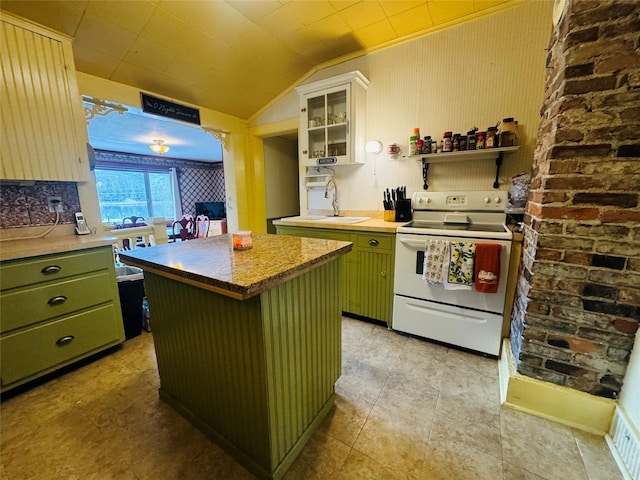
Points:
(497, 200)
(487, 200)
(423, 200)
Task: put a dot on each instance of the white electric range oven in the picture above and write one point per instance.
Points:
(466, 318)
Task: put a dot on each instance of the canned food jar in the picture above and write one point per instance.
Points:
(480, 136)
(491, 140)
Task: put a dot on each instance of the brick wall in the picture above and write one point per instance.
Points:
(578, 301)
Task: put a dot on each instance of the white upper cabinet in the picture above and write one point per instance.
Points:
(43, 128)
(332, 120)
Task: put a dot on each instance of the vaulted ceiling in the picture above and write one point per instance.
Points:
(234, 56)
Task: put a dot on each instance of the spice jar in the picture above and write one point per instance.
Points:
(491, 140)
(455, 143)
(463, 142)
(471, 140)
(480, 136)
(446, 142)
(426, 144)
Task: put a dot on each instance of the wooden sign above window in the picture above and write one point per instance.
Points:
(165, 108)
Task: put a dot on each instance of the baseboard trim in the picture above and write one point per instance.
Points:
(543, 399)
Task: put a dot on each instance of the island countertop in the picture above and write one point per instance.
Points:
(212, 264)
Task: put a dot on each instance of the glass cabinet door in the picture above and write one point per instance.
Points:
(327, 115)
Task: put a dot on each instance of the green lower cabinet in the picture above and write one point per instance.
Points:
(367, 271)
(55, 310)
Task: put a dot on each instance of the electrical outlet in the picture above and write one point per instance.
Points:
(55, 204)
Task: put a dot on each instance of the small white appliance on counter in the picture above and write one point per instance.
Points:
(464, 317)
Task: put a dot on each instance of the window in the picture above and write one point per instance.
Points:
(144, 192)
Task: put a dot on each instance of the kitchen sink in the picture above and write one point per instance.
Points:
(304, 218)
(324, 219)
(344, 219)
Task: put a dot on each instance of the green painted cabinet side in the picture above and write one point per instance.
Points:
(346, 260)
(367, 275)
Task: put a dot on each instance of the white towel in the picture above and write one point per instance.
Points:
(435, 254)
(458, 271)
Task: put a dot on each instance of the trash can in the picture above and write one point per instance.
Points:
(131, 290)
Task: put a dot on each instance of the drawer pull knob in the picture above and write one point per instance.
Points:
(59, 300)
(373, 242)
(383, 273)
(51, 269)
(66, 340)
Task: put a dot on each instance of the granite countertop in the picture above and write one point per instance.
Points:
(212, 264)
(33, 247)
(371, 225)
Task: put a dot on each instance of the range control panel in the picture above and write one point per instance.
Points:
(486, 201)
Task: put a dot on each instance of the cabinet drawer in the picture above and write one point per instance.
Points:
(376, 241)
(31, 305)
(52, 267)
(45, 347)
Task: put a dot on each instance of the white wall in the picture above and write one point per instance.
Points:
(630, 395)
(281, 177)
(469, 75)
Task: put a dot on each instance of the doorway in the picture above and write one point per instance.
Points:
(281, 177)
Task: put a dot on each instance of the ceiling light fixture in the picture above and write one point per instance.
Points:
(159, 147)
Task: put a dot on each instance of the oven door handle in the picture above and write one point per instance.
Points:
(413, 243)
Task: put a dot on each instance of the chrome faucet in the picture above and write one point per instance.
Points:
(334, 202)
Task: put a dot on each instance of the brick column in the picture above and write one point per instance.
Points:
(578, 300)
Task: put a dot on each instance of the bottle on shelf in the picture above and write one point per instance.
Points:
(426, 145)
(471, 139)
(447, 142)
(455, 143)
(480, 136)
(412, 144)
(491, 140)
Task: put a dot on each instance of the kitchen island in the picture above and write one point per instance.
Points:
(248, 343)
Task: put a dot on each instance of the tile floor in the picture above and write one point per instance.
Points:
(405, 409)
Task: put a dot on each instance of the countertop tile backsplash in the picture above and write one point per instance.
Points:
(26, 205)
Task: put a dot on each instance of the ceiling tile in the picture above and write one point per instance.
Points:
(279, 23)
(310, 11)
(146, 54)
(167, 31)
(104, 36)
(479, 5)
(443, 11)
(411, 21)
(254, 9)
(95, 63)
(132, 15)
(395, 7)
(362, 14)
(216, 19)
(376, 33)
(61, 16)
(342, 4)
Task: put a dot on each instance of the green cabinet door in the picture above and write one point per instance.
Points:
(367, 271)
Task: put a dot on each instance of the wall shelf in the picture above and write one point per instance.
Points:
(483, 154)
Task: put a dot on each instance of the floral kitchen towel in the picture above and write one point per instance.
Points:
(460, 267)
(435, 254)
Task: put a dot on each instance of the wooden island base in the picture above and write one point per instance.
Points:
(255, 375)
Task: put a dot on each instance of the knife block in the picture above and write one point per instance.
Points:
(403, 210)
